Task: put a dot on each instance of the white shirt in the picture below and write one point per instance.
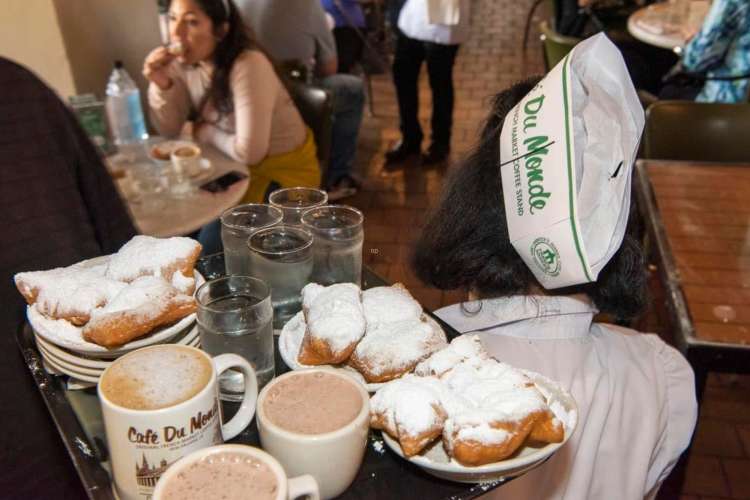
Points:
(413, 22)
(635, 395)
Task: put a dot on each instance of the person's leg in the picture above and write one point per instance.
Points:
(406, 64)
(209, 237)
(440, 59)
(348, 103)
(348, 46)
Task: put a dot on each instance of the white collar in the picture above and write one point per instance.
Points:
(528, 316)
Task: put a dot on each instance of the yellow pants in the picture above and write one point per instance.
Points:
(295, 168)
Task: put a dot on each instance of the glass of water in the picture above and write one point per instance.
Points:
(282, 257)
(237, 225)
(235, 316)
(337, 246)
(294, 201)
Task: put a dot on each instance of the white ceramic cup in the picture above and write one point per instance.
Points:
(289, 488)
(332, 458)
(143, 443)
(186, 158)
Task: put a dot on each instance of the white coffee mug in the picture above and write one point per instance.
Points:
(288, 488)
(144, 442)
(186, 158)
(332, 458)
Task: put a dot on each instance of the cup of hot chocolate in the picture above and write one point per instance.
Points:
(316, 422)
(161, 403)
(232, 472)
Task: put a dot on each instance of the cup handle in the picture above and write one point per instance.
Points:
(245, 414)
(303, 485)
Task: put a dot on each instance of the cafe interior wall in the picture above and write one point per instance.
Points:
(98, 32)
(30, 35)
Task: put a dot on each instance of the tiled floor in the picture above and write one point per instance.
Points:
(395, 206)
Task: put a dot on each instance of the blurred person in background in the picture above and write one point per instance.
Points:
(418, 40)
(349, 20)
(721, 49)
(221, 80)
(297, 30)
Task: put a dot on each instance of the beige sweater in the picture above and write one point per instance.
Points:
(265, 121)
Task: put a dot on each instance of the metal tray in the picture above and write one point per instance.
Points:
(77, 416)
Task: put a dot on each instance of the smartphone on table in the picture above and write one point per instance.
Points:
(223, 182)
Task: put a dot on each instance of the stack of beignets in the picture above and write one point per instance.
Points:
(484, 410)
(380, 332)
(147, 283)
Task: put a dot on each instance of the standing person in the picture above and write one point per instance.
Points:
(635, 394)
(220, 78)
(349, 26)
(418, 40)
(297, 30)
(722, 49)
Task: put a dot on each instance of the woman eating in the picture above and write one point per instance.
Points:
(635, 394)
(215, 75)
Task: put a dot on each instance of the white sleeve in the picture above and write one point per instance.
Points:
(681, 412)
(169, 108)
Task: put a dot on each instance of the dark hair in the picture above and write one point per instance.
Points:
(236, 40)
(465, 242)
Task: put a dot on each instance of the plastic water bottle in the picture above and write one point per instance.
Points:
(124, 110)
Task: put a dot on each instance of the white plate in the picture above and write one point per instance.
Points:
(290, 341)
(79, 372)
(436, 462)
(188, 337)
(64, 334)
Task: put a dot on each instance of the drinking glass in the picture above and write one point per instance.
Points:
(237, 225)
(294, 201)
(337, 243)
(282, 256)
(235, 316)
(149, 184)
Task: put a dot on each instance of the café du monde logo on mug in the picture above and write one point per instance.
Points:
(546, 256)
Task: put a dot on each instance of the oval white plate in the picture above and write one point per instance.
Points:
(290, 341)
(436, 462)
(69, 336)
(188, 337)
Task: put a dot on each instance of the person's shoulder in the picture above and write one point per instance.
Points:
(252, 60)
(13, 73)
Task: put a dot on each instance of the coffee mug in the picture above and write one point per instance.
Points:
(232, 471)
(159, 404)
(186, 159)
(328, 450)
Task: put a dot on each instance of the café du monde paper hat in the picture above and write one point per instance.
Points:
(566, 157)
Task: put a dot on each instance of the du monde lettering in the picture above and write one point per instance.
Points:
(170, 433)
(533, 163)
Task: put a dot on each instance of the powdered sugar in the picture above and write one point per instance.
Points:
(389, 304)
(409, 404)
(393, 346)
(334, 314)
(183, 284)
(460, 348)
(146, 291)
(481, 433)
(68, 291)
(145, 255)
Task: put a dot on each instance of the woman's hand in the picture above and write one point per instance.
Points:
(155, 67)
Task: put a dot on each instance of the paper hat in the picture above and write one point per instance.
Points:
(566, 156)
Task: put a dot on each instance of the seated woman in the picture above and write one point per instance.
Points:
(215, 74)
(722, 49)
(635, 394)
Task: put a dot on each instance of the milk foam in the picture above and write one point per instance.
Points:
(156, 378)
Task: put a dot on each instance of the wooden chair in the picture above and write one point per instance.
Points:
(315, 104)
(555, 45)
(687, 130)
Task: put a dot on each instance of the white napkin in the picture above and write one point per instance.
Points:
(570, 145)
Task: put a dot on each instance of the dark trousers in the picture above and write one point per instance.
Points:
(349, 47)
(410, 54)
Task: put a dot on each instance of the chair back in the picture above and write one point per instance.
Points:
(292, 70)
(315, 104)
(555, 45)
(697, 131)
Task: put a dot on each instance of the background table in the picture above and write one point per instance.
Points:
(698, 233)
(652, 25)
(183, 216)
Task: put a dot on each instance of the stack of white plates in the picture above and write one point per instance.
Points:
(64, 350)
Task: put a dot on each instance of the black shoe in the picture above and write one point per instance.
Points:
(401, 151)
(435, 154)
